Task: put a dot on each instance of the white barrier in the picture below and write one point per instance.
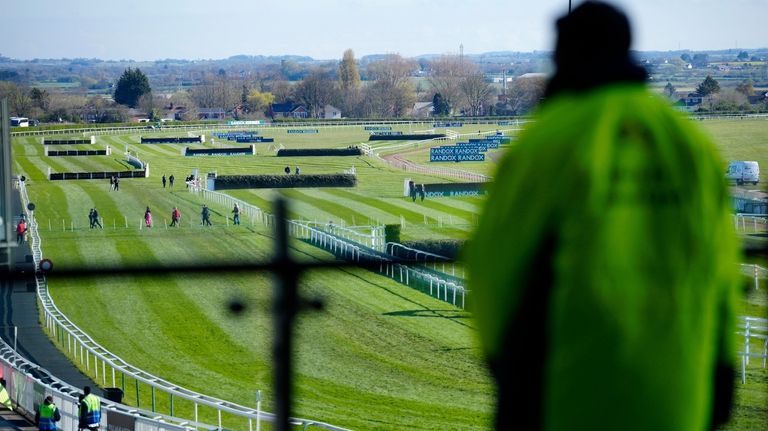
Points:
(753, 329)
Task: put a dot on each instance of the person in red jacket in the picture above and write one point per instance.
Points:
(21, 231)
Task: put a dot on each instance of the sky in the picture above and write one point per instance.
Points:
(144, 30)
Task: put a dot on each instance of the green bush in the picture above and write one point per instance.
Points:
(392, 233)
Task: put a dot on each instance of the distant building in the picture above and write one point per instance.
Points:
(423, 109)
(331, 112)
(287, 110)
(211, 113)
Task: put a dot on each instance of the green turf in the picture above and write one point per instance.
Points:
(379, 356)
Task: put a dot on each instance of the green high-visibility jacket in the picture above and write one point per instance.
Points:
(613, 208)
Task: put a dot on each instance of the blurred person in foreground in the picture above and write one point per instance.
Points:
(603, 269)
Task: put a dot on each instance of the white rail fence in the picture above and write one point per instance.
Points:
(755, 332)
(105, 365)
(750, 223)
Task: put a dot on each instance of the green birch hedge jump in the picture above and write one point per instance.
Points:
(230, 182)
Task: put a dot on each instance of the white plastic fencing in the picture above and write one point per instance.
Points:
(750, 223)
(755, 332)
(95, 358)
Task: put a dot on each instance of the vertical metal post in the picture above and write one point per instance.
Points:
(285, 308)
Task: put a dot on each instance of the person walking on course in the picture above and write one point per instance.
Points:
(148, 217)
(90, 410)
(117, 183)
(616, 306)
(170, 181)
(95, 219)
(297, 170)
(111, 183)
(422, 192)
(164, 180)
(21, 231)
(287, 170)
(236, 215)
(90, 218)
(206, 216)
(47, 415)
(175, 217)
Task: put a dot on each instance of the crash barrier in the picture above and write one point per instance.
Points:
(247, 211)
(174, 140)
(54, 153)
(91, 140)
(241, 151)
(423, 258)
(135, 162)
(750, 223)
(434, 283)
(27, 384)
(755, 332)
(409, 166)
(107, 368)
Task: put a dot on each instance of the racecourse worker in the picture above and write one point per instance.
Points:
(90, 410)
(603, 268)
(47, 415)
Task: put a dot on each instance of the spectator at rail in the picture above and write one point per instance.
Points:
(615, 307)
(175, 217)
(47, 415)
(90, 410)
(21, 231)
(148, 217)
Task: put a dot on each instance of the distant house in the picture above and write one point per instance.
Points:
(423, 109)
(137, 115)
(287, 110)
(758, 99)
(690, 103)
(211, 113)
(330, 112)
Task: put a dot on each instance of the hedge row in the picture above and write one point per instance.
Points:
(53, 153)
(320, 152)
(415, 137)
(225, 182)
(96, 175)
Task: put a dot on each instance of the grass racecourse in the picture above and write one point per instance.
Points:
(380, 356)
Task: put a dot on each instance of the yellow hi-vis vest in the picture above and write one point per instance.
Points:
(630, 201)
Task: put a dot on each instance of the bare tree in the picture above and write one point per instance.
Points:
(525, 94)
(392, 93)
(349, 83)
(445, 76)
(315, 91)
(476, 92)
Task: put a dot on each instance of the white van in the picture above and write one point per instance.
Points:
(743, 172)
